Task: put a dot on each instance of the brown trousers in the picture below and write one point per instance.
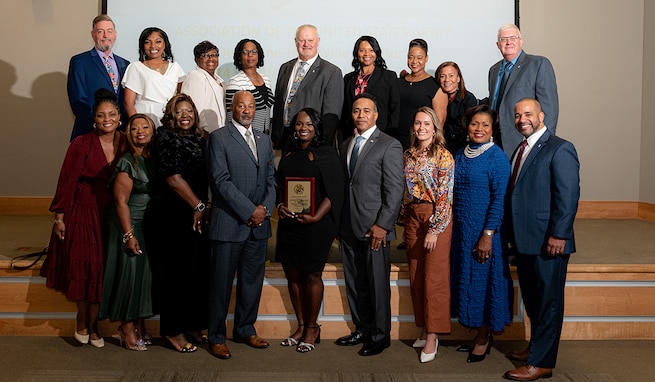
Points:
(429, 272)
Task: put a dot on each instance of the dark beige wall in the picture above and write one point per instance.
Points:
(647, 160)
(605, 79)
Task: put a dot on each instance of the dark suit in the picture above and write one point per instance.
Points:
(374, 195)
(86, 74)
(320, 89)
(383, 85)
(531, 77)
(239, 183)
(543, 203)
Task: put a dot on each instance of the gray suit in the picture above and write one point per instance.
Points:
(320, 89)
(543, 203)
(531, 77)
(374, 195)
(239, 183)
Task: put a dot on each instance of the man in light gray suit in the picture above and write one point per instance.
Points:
(373, 162)
(541, 207)
(520, 75)
(242, 180)
(307, 81)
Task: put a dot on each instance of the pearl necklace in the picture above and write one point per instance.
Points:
(474, 153)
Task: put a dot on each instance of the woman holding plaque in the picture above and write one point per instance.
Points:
(311, 184)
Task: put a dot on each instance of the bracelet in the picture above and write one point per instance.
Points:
(128, 235)
(59, 221)
(489, 232)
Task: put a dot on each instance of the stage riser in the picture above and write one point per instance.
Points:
(601, 305)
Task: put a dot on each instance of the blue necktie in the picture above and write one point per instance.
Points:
(506, 69)
(355, 153)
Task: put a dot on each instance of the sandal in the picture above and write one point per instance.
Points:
(186, 348)
(306, 347)
(290, 341)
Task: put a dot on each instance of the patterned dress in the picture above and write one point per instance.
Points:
(481, 293)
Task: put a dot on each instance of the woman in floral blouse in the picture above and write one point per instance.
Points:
(426, 212)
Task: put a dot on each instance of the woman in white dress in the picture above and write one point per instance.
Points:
(248, 56)
(206, 88)
(152, 81)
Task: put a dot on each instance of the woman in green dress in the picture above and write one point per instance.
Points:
(127, 286)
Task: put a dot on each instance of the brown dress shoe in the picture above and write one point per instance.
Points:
(518, 355)
(220, 350)
(528, 373)
(253, 341)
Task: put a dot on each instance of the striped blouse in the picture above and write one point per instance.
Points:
(264, 102)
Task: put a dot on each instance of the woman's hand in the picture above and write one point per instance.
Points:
(59, 229)
(285, 213)
(133, 245)
(197, 220)
(306, 218)
(483, 248)
(430, 242)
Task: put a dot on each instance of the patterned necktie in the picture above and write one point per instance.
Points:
(507, 67)
(251, 143)
(355, 153)
(110, 71)
(517, 163)
(294, 86)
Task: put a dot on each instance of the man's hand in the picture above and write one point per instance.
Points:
(378, 236)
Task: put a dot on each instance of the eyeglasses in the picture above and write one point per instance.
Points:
(509, 38)
(209, 55)
(247, 52)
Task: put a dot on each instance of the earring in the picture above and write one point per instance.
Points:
(95, 126)
(295, 135)
(120, 123)
(492, 139)
(468, 138)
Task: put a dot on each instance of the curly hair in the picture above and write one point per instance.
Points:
(239, 48)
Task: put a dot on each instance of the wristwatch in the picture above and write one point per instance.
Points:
(200, 207)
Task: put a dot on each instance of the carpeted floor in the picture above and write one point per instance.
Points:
(29, 359)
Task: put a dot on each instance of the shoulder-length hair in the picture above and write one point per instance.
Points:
(168, 121)
(461, 88)
(168, 53)
(485, 109)
(319, 134)
(239, 48)
(438, 141)
(131, 146)
(379, 61)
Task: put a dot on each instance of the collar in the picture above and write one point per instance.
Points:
(534, 138)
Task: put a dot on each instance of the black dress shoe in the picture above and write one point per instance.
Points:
(355, 338)
(373, 348)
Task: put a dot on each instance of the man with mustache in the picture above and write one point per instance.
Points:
(92, 70)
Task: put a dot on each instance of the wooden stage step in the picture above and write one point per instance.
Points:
(610, 301)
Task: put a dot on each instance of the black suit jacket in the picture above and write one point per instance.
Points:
(383, 85)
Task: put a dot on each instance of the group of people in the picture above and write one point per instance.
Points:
(194, 185)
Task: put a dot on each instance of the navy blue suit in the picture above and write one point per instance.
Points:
(86, 74)
(239, 183)
(543, 204)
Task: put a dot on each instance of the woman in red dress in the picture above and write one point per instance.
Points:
(75, 265)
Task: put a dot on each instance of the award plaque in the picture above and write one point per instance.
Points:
(300, 194)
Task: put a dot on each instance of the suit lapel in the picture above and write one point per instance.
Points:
(311, 73)
(236, 135)
(370, 142)
(516, 72)
(533, 154)
(97, 61)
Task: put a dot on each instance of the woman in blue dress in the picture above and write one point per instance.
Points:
(480, 280)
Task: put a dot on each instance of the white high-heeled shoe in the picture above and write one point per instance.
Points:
(97, 343)
(428, 357)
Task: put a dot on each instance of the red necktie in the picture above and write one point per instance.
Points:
(517, 163)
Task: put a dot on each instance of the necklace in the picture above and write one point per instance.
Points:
(160, 70)
(474, 153)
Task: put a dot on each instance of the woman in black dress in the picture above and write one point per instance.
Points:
(177, 241)
(304, 237)
(460, 99)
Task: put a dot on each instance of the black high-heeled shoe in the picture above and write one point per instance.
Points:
(477, 358)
